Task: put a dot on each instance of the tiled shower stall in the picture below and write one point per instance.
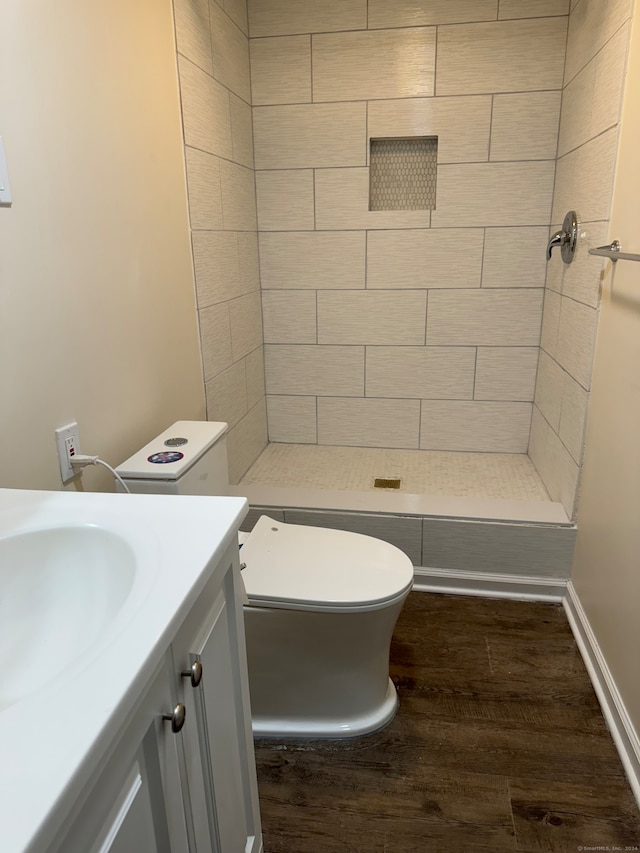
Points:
(326, 322)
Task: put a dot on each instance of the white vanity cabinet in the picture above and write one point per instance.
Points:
(136, 802)
(172, 787)
(210, 663)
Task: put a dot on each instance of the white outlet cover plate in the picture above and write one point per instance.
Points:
(62, 434)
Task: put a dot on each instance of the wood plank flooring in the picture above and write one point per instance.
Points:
(499, 745)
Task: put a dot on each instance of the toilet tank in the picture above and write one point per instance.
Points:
(188, 458)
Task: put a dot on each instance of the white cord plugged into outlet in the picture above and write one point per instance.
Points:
(81, 461)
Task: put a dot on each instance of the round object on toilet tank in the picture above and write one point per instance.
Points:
(175, 442)
(199, 435)
(165, 457)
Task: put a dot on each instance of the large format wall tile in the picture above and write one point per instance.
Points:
(550, 322)
(576, 340)
(558, 470)
(511, 549)
(292, 420)
(282, 17)
(328, 76)
(238, 197)
(254, 368)
(532, 8)
(241, 131)
(419, 13)
(506, 373)
(515, 257)
(237, 11)
(285, 200)
(205, 192)
(573, 417)
(549, 388)
(310, 135)
(591, 101)
(215, 339)
(582, 278)
(373, 64)
(314, 370)
(486, 194)
(215, 257)
(205, 111)
(462, 124)
(368, 422)
(342, 202)
(218, 136)
(525, 126)
(248, 263)
(504, 56)
(446, 257)
(591, 25)
(230, 53)
(281, 70)
(227, 395)
(289, 316)
(314, 259)
(420, 372)
(246, 441)
(371, 317)
(192, 31)
(584, 179)
(484, 318)
(484, 427)
(245, 316)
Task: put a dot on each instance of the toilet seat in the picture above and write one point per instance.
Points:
(309, 568)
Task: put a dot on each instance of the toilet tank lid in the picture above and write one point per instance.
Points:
(173, 455)
(296, 563)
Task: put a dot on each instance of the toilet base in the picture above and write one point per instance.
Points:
(291, 727)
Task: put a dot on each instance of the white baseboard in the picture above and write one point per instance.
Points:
(622, 730)
(489, 585)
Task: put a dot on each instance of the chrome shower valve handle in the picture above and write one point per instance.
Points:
(566, 238)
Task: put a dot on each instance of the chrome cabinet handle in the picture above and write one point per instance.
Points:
(194, 673)
(176, 718)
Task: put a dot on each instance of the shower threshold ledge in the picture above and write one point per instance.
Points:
(402, 503)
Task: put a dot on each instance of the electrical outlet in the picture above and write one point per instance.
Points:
(68, 444)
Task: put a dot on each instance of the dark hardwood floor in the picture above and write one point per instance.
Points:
(499, 745)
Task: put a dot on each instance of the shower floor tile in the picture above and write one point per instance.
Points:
(484, 475)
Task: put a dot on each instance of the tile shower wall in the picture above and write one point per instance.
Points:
(213, 66)
(594, 75)
(408, 329)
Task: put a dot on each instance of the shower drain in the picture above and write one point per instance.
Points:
(387, 483)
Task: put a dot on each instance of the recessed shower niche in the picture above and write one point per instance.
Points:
(403, 173)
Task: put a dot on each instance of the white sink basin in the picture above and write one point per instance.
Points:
(60, 590)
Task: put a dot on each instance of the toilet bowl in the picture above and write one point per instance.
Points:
(322, 605)
(320, 608)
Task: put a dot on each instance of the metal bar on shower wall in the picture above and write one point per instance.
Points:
(613, 252)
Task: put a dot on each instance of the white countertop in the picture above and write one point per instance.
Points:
(51, 740)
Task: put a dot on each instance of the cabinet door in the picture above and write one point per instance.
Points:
(219, 749)
(135, 804)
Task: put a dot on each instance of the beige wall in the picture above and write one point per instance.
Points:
(594, 74)
(97, 321)
(213, 59)
(605, 571)
(405, 328)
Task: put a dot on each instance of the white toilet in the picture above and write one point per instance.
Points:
(322, 604)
